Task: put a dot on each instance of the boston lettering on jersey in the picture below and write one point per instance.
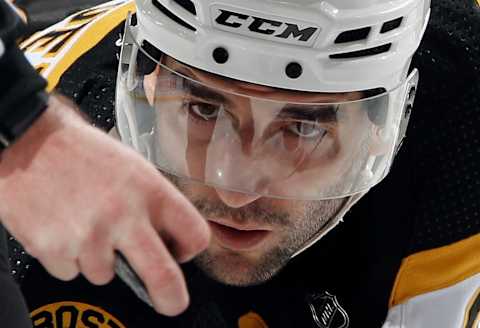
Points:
(242, 23)
(73, 315)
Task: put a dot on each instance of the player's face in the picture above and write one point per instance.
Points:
(253, 236)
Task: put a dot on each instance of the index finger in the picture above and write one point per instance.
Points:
(150, 259)
(179, 221)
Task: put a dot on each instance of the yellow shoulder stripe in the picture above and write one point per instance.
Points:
(55, 49)
(436, 269)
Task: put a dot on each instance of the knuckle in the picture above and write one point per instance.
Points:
(164, 277)
(54, 241)
(58, 250)
(142, 180)
(38, 246)
(90, 238)
(112, 209)
(61, 248)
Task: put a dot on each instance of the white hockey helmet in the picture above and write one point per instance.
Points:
(297, 99)
(310, 45)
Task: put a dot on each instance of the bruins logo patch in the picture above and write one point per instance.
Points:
(73, 315)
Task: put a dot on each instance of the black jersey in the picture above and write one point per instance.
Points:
(407, 254)
(13, 311)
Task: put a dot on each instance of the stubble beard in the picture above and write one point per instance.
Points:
(233, 268)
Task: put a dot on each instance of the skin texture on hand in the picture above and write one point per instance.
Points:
(72, 195)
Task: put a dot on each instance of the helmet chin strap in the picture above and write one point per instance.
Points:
(332, 223)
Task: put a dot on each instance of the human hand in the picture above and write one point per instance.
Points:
(72, 196)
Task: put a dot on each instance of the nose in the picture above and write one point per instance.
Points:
(235, 199)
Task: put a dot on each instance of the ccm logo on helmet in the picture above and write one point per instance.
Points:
(265, 28)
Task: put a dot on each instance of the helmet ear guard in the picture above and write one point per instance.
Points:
(409, 99)
(376, 113)
(382, 138)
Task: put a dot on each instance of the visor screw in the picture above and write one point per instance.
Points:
(294, 70)
(220, 55)
(408, 110)
(411, 93)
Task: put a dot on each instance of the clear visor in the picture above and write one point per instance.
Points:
(255, 139)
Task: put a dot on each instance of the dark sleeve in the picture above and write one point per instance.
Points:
(13, 311)
(90, 81)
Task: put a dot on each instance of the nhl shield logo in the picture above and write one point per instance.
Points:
(327, 312)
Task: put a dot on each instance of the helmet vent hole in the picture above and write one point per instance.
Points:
(353, 35)
(220, 55)
(391, 25)
(294, 70)
(172, 16)
(363, 53)
(187, 5)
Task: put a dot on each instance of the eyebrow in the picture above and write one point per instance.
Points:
(202, 91)
(318, 113)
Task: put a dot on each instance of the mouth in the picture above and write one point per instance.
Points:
(237, 237)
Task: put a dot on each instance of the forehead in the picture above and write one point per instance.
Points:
(256, 90)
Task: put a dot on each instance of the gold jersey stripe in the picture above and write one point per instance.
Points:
(54, 50)
(436, 269)
(93, 34)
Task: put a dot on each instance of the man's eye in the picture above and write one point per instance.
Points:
(203, 110)
(307, 130)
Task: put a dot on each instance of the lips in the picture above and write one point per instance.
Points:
(238, 238)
